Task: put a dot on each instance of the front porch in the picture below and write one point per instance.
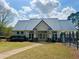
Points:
(38, 35)
(49, 36)
(52, 36)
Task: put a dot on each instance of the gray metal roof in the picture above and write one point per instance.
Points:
(54, 23)
(26, 24)
(66, 25)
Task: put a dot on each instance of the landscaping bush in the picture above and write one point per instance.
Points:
(2, 37)
(48, 40)
(18, 38)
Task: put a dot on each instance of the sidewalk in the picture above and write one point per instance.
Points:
(12, 52)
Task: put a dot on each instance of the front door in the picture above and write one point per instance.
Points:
(42, 36)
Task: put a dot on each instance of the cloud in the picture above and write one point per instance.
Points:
(4, 4)
(50, 9)
(63, 14)
(13, 13)
(25, 9)
(34, 16)
(24, 12)
(40, 9)
(44, 6)
(66, 12)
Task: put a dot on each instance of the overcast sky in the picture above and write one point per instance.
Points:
(25, 9)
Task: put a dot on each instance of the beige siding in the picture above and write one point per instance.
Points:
(42, 26)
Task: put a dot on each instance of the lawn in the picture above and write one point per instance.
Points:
(6, 46)
(46, 51)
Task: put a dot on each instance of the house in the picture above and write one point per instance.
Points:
(43, 28)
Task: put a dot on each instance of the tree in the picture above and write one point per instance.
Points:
(7, 32)
(74, 17)
(6, 17)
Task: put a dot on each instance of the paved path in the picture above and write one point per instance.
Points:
(12, 52)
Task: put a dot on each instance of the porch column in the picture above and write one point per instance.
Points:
(27, 34)
(58, 34)
(50, 34)
(34, 34)
(74, 34)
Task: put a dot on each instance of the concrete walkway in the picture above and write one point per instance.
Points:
(12, 52)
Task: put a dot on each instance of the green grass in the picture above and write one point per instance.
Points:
(6, 46)
(46, 51)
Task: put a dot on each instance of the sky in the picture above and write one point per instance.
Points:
(25, 9)
(64, 3)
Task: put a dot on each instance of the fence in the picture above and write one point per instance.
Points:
(71, 39)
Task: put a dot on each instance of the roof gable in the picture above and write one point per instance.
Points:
(42, 25)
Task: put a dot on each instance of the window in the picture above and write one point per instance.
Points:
(22, 32)
(17, 32)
